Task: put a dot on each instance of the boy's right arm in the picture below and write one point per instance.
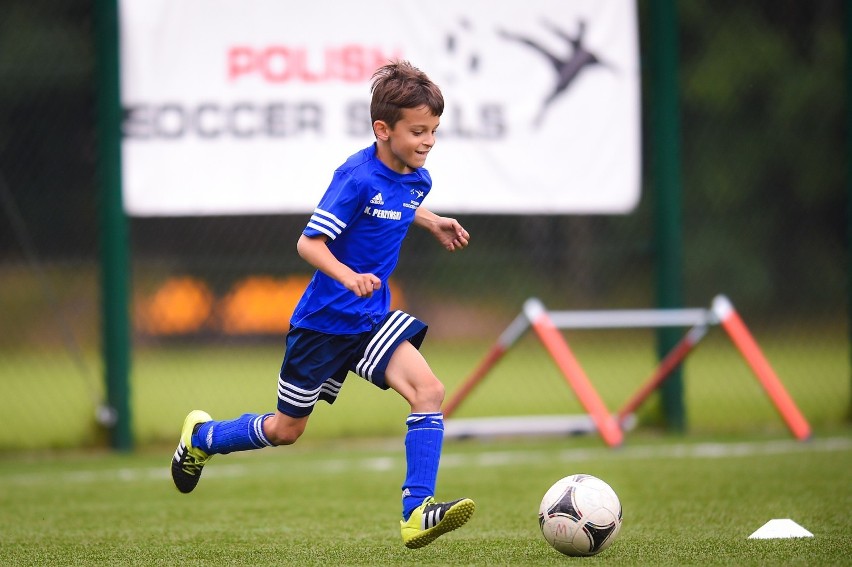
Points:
(316, 253)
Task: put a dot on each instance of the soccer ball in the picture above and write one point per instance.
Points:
(580, 515)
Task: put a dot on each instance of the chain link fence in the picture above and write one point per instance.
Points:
(764, 215)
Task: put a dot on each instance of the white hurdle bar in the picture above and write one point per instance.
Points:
(626, 318)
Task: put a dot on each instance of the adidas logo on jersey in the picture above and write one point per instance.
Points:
(377, 200)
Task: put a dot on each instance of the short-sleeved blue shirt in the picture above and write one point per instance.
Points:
(365, 213)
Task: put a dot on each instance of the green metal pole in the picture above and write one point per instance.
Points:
(114, 237)
(665, 127)
(848, 22)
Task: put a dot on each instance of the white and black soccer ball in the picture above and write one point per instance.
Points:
(580, 515)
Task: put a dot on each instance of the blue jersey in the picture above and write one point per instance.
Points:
(365, 213)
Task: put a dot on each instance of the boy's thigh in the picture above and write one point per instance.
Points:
(316, 364)
(314, 368)
(382, 343)
(409, 374)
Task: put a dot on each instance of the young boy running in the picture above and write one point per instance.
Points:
(343, 321)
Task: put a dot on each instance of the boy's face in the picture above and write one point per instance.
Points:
(404, 147)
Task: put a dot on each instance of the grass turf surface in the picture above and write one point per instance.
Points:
(336, 502)
(47, 403)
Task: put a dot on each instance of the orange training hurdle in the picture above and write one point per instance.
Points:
(547, 325)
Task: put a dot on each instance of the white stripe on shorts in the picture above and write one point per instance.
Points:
(297, 396)
(381, 342)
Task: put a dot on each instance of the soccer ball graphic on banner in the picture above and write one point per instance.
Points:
(580, 515)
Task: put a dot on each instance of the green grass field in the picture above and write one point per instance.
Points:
(46, 402)
(334, 497)
(337, 503)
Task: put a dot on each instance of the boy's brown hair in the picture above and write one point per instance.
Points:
(399, 85)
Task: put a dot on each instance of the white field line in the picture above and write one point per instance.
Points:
(490, 459)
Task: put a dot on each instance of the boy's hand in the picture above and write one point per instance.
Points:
(450, 234)
(448, 231)
(362, 285)
(317, 254)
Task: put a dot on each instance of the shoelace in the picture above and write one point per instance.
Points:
(192, 464)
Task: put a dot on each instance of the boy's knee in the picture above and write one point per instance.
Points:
(430, 394)
(283, 430)
(439, 391)
(284, 438)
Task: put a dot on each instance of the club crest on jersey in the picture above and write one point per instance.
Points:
(415, 202)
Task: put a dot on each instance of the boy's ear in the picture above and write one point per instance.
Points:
(381, 130)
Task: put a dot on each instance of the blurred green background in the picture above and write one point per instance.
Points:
(763, 89)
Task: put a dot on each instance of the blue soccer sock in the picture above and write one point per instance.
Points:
(423, 444)
(241, 434)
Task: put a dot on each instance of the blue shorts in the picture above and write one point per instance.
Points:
(316, 364)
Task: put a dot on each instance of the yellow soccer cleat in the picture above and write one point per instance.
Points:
(433, 519)
(188, 460)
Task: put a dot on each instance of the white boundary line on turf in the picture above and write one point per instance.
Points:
(448, 460)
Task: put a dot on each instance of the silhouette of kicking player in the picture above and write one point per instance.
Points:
(566, 69)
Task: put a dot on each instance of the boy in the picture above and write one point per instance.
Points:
(342, 322)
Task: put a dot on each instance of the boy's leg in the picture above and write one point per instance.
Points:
(202, 437)
(424, 519)
(310, 358)
(423, 444)
(222, 437)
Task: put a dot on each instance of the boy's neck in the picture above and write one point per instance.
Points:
(383, 152)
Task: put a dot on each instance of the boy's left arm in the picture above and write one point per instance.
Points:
(447, 231)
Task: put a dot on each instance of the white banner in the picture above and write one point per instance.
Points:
(247, 107)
